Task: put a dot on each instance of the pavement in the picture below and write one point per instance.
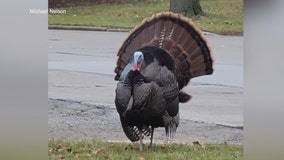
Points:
(81, 90)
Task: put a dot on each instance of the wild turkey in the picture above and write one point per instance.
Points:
(158, 59)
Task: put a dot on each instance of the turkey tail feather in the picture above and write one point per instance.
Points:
(132, 132)
(179, 37)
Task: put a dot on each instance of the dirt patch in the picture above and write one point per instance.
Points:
(76, 120)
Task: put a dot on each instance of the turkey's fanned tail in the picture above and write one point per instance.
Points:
(179, 37)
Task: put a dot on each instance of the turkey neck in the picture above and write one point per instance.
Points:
(135, 80)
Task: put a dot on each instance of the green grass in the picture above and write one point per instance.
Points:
(223, 16)
(106, 15)
(94, 149)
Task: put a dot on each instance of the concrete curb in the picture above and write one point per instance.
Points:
(87, 28)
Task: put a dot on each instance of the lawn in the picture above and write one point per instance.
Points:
(97, 150)
(223, 16)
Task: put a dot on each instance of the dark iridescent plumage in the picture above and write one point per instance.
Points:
(158, 58)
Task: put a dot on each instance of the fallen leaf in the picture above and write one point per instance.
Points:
(99, 151)
(197, 143)
(129, 158)
(142, 158)
(58, 148)
(50, 150)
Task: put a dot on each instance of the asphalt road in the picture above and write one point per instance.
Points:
(81, 90)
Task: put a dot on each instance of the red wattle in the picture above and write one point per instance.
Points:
(134, 67)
